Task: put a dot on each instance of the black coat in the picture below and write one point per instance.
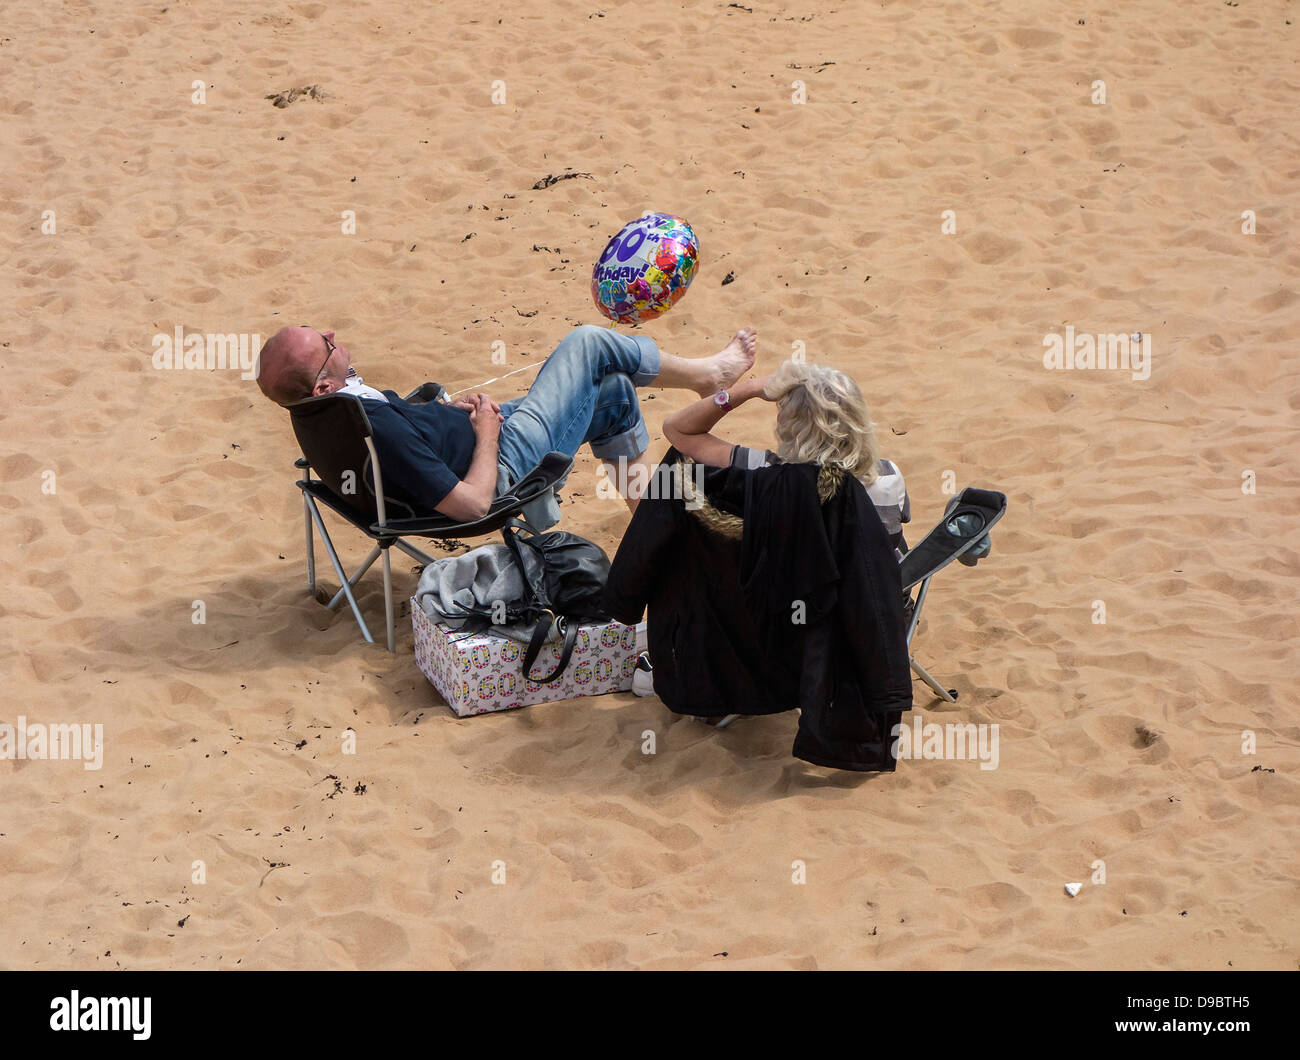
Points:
(765, 598)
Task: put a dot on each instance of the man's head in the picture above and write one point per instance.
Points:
(301, 362)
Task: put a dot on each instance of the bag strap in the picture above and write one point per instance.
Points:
(543, 627)
(535, 646)
(537, 592)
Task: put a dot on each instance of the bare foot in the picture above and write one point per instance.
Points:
(728, 365)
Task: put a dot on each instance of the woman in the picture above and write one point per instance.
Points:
(718, 643)
(821, 418)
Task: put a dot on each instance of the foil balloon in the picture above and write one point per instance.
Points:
(645, 269)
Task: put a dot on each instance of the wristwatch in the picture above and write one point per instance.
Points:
(723, 400)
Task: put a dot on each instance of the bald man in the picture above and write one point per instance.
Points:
(456, 458)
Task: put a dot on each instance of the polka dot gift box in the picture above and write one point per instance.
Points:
(479, 673)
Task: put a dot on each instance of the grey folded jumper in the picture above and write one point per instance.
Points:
(454, 590)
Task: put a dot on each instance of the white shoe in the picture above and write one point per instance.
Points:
(643, 678)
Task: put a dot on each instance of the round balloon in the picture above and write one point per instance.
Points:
(645, 269)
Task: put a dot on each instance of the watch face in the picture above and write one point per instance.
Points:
(721, 398)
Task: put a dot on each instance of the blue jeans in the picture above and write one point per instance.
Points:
(585, 392)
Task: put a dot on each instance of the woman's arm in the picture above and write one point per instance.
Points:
(688, 429)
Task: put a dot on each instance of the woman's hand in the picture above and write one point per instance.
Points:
(749, 388)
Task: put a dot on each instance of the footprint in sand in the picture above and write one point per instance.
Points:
(283, 99)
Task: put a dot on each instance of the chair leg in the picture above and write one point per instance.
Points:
(916, 610)
(388, 603)
(413, 552)
(726, 721)
(343, 578)
(356, 577)
(311, 549)
(946, 694)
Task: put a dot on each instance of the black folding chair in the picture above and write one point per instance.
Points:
(337, 442)
(962, 534)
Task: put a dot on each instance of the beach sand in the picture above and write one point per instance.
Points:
(132, 493)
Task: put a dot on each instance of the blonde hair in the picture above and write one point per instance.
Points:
(823, 419)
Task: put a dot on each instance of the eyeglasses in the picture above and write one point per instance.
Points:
(330, 347)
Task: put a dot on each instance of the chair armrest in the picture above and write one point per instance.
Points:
(553, 467)
(301, 464)
(425, 393)
(949, 540)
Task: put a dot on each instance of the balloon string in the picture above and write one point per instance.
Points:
(498, 378)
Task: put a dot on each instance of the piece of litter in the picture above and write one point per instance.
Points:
(1073, 888)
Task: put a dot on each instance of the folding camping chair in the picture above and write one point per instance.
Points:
(337, 442)
(962, 534)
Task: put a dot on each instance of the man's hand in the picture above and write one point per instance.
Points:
(485, 417)
(468, 404)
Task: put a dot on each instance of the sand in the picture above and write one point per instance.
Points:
(1120, 742)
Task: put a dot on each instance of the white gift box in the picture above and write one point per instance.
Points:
(479, 673)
